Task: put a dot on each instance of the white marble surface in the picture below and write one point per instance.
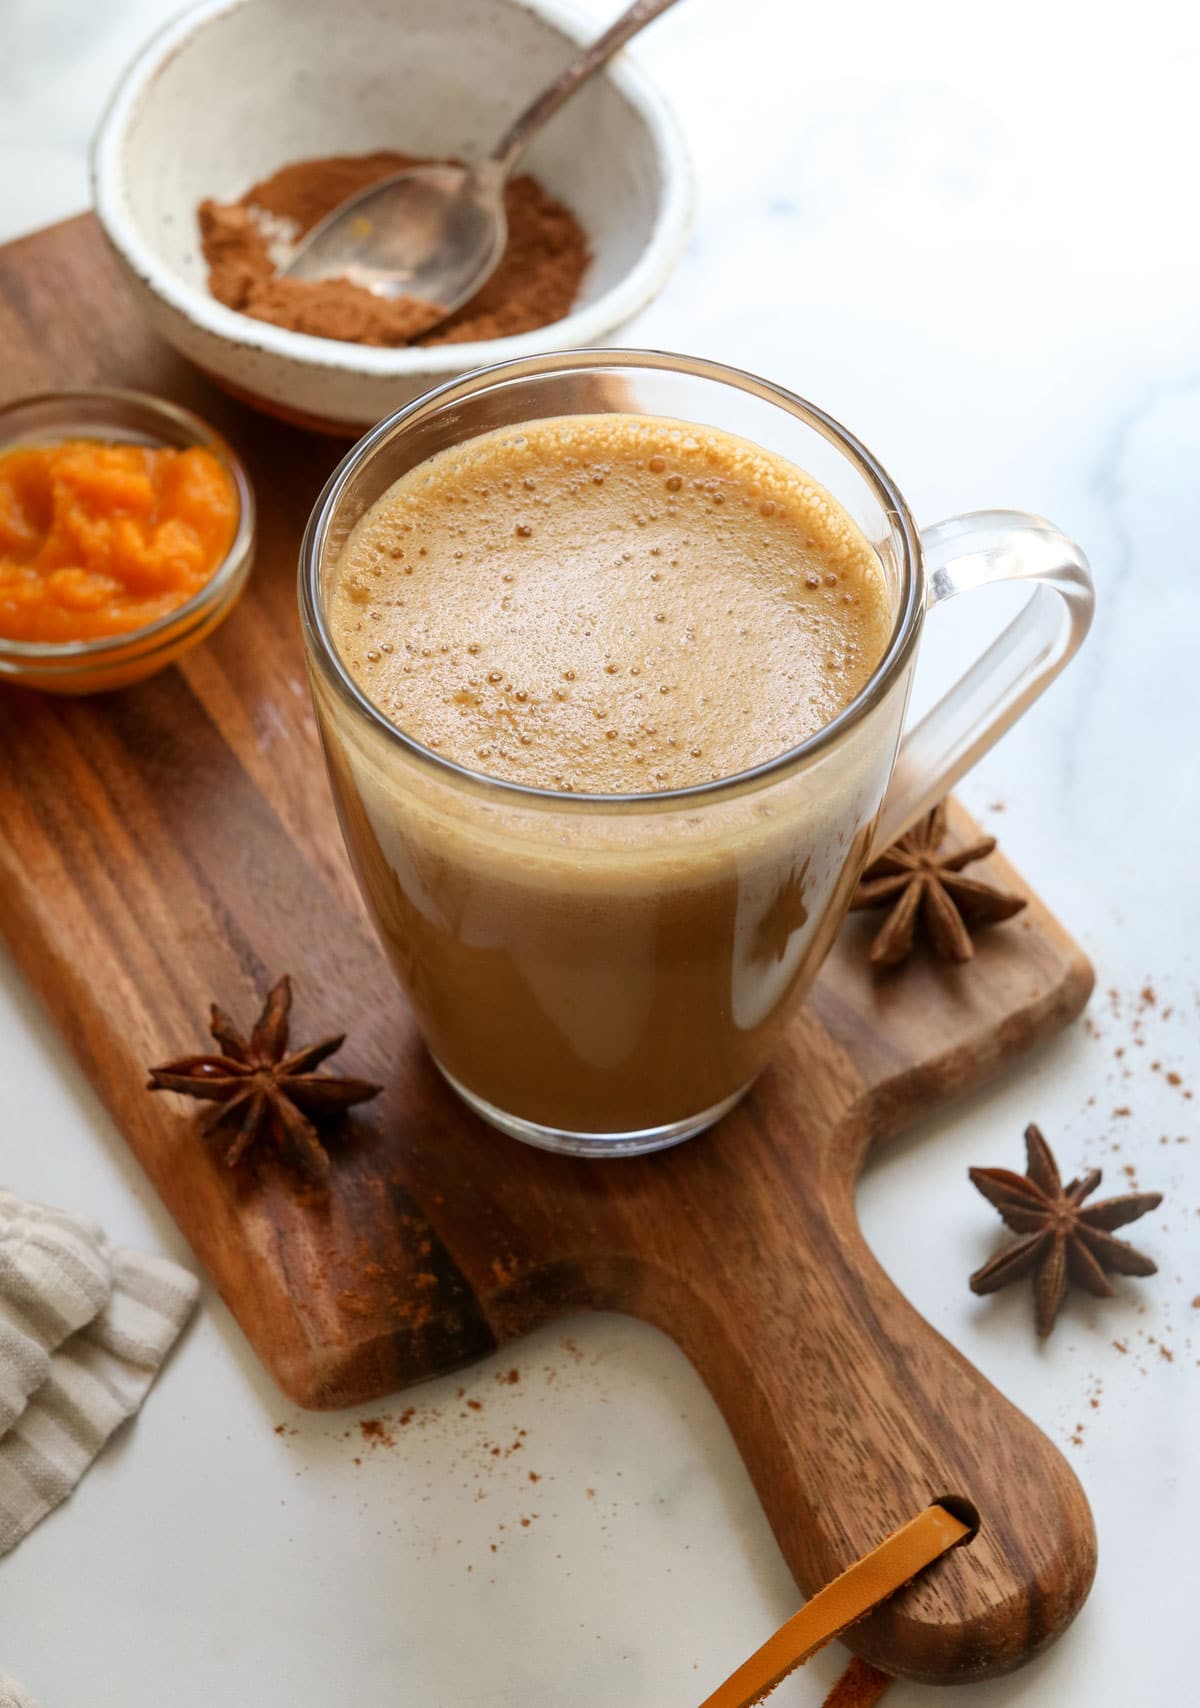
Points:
(975, 237)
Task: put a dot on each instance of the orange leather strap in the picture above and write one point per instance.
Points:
(849, 1598)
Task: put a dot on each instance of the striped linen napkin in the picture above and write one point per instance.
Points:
(84, 1329)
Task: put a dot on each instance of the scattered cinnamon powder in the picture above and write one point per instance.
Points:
(536, 282)
(376, 1433)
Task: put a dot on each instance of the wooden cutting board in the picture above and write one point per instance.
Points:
(175, 842)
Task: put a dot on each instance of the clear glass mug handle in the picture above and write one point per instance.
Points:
(963, 553)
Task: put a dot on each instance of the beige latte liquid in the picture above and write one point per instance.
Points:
(605, 605)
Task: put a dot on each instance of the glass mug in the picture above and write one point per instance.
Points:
(607, 974)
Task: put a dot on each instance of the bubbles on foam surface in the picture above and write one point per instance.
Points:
(662, 560)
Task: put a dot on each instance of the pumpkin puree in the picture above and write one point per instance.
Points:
(101, 539)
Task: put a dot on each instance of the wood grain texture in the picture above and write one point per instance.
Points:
(175, 842)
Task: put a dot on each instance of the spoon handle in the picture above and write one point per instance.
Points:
(585, 64)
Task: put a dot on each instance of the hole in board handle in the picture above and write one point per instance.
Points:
(965, 1511)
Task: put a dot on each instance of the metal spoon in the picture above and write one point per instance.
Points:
(437, 232)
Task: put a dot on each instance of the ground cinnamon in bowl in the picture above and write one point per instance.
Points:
(245, 241)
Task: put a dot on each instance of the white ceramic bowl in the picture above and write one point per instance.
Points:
(236, 88)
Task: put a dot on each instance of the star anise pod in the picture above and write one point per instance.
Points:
(262, 1090)
(916, 881)
(1061, 1240)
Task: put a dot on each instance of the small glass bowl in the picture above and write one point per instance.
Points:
(113, 661)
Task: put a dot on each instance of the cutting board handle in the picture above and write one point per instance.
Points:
(857, 1413)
